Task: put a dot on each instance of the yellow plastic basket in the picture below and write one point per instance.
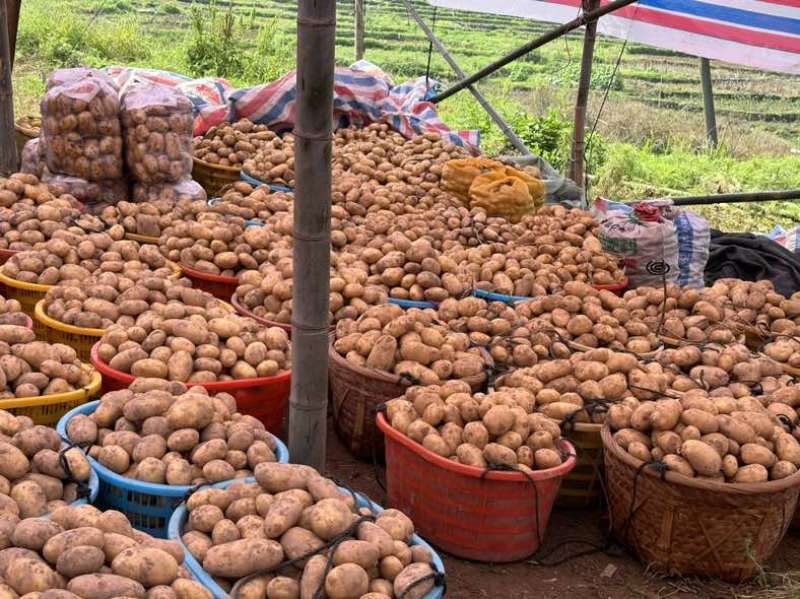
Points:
(28, 295)
(78, 338)
(49, 409)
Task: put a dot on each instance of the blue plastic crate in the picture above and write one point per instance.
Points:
(180, 515)
(148, 506)
(257, 183)
(406, 304)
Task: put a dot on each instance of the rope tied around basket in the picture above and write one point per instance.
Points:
(82, 489)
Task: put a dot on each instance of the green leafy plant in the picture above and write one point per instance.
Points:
(214, 48)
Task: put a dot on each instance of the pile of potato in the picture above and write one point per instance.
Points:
(408, 343)
(24, 188)
(94, 194)
(30, 368)
(274, 160)
(244, 201)
(68, 256)
(267, 292)
(204, 347)
(713, 436)
(564, 388)
(182, 191)
(11, 312)
(582, 315)
(160, 432)
(231, 144)
(33, 481)
(81, 552)
(219, 244)
(483, 430)
(148, 218)
(715, 366)
(785, 350)
(109, 298)
(23, 225)
(290, 512)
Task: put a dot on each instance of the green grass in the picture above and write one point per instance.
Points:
(650, 136)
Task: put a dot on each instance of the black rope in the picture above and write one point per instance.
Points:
(661, 468)
(82, 486)
(438, 578)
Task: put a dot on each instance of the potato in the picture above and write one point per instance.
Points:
(105, 586)
(703, 458)
(149, 566)
(83, 559)
(752, 473)
(84, 535)
(27, 575)
(752, 453)
(406, 585)
(346, 581)
(238, 559)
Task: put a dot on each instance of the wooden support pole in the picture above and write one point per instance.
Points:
(553, 34)
(316, 38)
(358, 5)
(578, 136)
(708, 102)
(493, 114)
(12, 26)
(8, 146)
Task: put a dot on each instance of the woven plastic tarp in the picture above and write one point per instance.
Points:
(363, 94)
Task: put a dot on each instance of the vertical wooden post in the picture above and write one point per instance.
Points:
(8, 147)
(708, 102)
(576, 171)
(316, 38)
(12, 25)
(358, 5)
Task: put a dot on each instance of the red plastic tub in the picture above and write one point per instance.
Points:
(6, 254)
(618, 288)
(218, 286)
(245, 312)
(264, 398)
(487, 517)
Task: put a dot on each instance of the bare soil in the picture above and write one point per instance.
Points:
(613, 574)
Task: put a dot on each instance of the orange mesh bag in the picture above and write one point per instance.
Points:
(458, 175)
(501, 195)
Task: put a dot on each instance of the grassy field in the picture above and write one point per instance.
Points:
(649, 139)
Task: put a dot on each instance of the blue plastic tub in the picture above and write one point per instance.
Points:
(148, 506)
(257, 183)
(178, 520)
(490, 296)
(406, 304)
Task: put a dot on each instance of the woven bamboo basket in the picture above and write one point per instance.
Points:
(26, 129)
(691, 527)
(582, 487)
(213, 177)
(357, 392)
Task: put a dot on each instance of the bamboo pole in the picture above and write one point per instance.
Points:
(582, 99)
(316, 37)
(540, 41)
(8, 147)
(493, 114)
(358, 5)
(12, 26)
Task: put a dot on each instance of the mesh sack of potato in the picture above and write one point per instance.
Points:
(31, 368)
(81, 130)
(110, 298)
(409, 344)
(32, 159)
(231, 144)
(157, 124)
(84, 552)
(62, 76)
(503, 195)
(494, 429)
(274, 161)
(209, 346)
(40, 473)
(160, 432)
(713, 437)
(185, 190)
(458, 174)
(72, 256)
(290, 513)
(96, 195)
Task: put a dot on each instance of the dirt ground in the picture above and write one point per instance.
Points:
(598, 576)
